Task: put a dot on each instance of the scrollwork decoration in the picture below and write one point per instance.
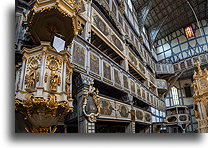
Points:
(91, 107)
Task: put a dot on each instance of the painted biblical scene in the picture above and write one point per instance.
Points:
(79, 54)
(94, 63)
(117, 77)
(107, 70)
(101, 25)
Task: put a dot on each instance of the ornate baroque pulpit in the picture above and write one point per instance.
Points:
(43, 95)
(200, 85)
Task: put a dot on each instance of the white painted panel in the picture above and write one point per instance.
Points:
(184, 46)
(182, 39)
(168, 53)
(197, 33)
(176, 49)
(180, 56)
(159, 49)
(206, 30)
(167, 102)
(201, 40)
(160, 56)
(166, 46)
(192, 43)
(174, 42)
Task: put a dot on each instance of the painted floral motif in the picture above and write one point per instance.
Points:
(94, 63)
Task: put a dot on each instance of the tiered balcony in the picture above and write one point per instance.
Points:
(190, 62)
(117, 110)
(177, 115)
(90, 61)
(131, 34)
(164, 69)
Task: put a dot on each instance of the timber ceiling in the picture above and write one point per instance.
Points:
(167, 16)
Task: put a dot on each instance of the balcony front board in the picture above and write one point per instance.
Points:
(190, 62)
(93, 64)
(102, 29)
(115, 110)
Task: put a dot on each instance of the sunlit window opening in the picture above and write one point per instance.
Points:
(130, 5)
(174, 91)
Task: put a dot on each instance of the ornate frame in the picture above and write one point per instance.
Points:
(94, 93)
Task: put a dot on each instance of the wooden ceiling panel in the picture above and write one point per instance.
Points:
(178, 11)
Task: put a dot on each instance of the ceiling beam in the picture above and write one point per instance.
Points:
(142, 16)
(156, 28)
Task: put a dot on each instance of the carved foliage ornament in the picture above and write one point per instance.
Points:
(54, 64)
(32, 72)
(91, 107)
(48, 112)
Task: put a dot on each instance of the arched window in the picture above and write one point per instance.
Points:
(174, 91)
(130, 5)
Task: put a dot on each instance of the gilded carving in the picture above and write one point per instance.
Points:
(69, 71)
(49, 108)
(200, 85)
(55, 81)
(32, 76)
(52, 102)
(91, 107)
(46, 77)
(54, 64)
